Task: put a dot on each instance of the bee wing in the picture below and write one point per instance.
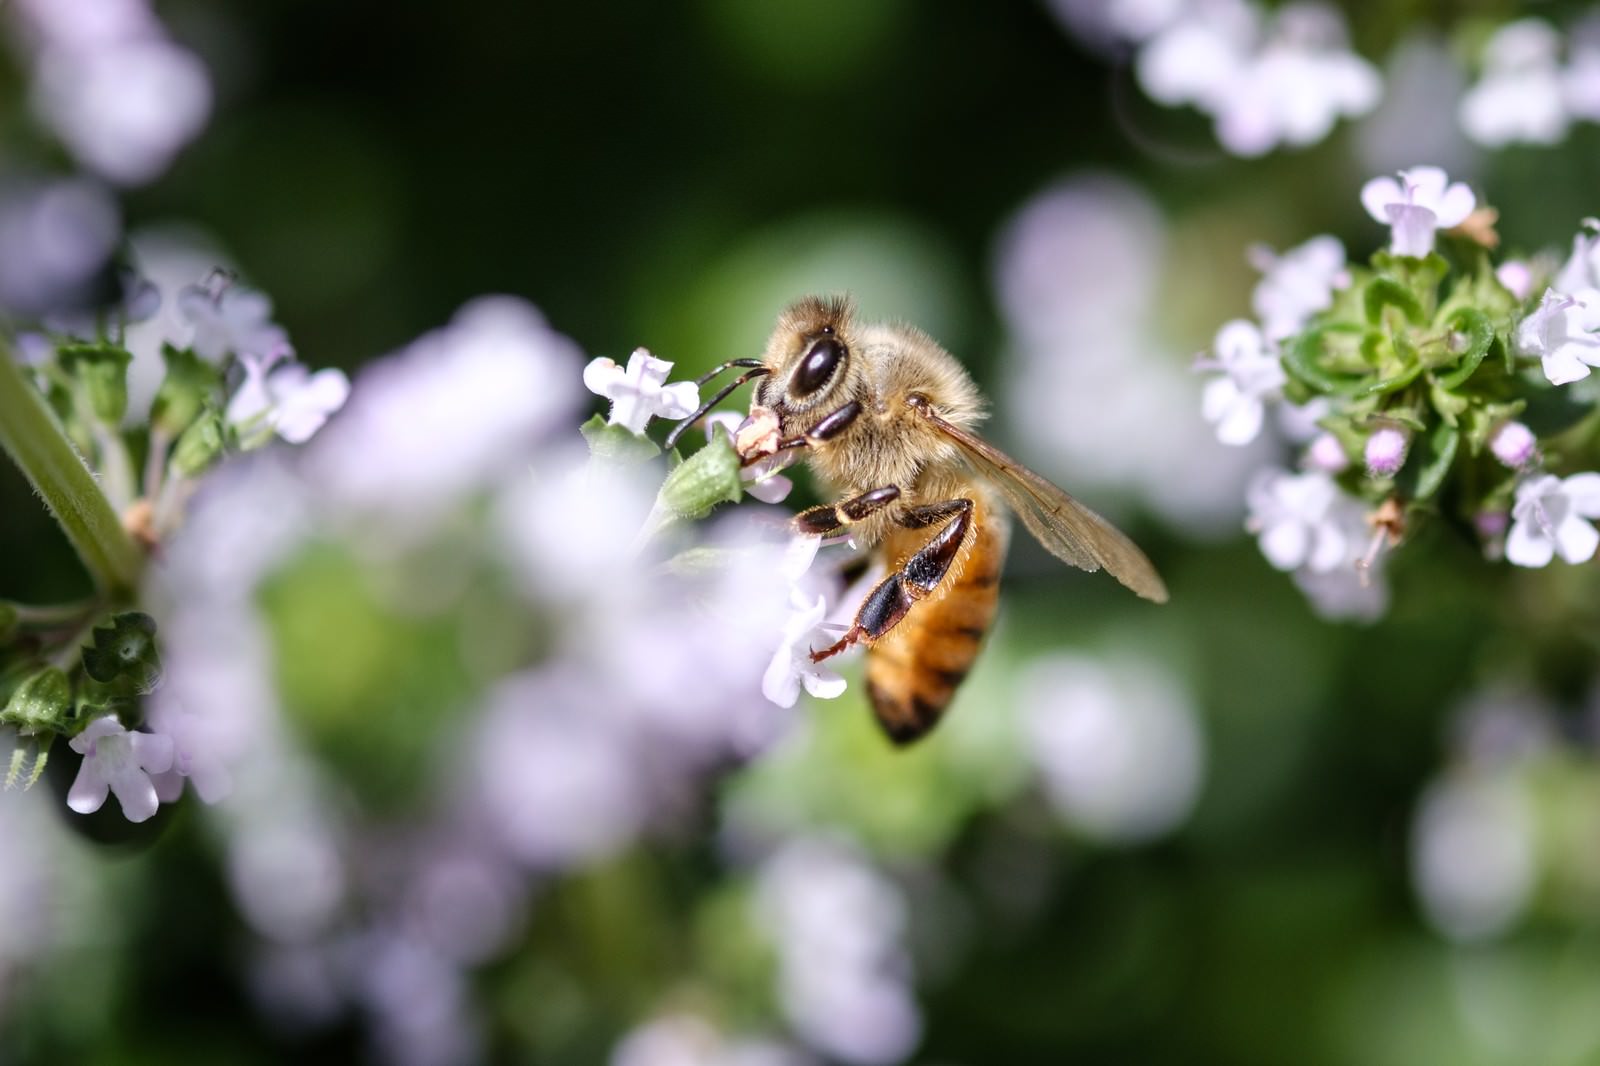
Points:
(1067, 529)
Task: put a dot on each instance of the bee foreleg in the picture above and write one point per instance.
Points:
(832, 424)
(829, 518)
(896, 594)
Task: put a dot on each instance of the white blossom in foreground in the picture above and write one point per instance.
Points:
(231, 318)
(1423, 201)
(284, 397)
(1521, 96)
(639, 392)
(1562, 333)
(791, 665)
(1251, 374)
(1551, 517)
(1297, 284)
(115, 760)
(1118, 744)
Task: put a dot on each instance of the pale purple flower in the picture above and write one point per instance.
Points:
(1474, 854)
(1551, 517)
(1581, 81)
(286, 398)
(1194, 59)
(1301, 520)
(54, 238)
(1118, 744)
(1514, 445)
(761, 478)
(1562, 332)
(689, 1040)
(791, 665)
(638, 392)
(1520, 98)
(1251, 374)
(1422, 201)
(1355, 591)
(1385, 451)
(1326, 454)
(1517, 277)
(124, 107)
(1582, 269)
(201, 749)
(231, 318)
(116, 760)
(1297, 284)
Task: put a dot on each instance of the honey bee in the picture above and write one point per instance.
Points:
(886, 416)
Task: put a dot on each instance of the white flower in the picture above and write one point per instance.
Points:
(1251, 372)
(1474, 854)
(639, 392)
(1549, 519)
(1424, 200)
(1301, 520)
(200, 748)
(1517, 277)
(791, 665)
(285, 397)
(1297, 284)
(761, 478)
(1562, 333)
(54, 239)
(1520, 98)
(1581, 82)
(1193, 59)
(234, 319)
(115, 760)
(1582, 268)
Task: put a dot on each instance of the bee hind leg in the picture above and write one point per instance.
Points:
(896, 594)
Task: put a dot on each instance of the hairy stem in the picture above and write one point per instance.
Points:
(37, 443)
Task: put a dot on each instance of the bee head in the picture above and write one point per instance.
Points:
(809, 354)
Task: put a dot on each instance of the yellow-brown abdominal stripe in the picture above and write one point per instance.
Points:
(914, 670)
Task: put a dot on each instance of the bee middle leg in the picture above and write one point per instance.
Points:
(896, 594)
(832, 517)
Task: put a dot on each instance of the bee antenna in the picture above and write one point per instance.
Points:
(730, 364)
(677, 431)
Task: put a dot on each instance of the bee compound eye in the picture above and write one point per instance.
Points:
(817, 366)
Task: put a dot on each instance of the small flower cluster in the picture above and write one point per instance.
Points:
(1266, 80)
(1526, 94)
(1423, 384)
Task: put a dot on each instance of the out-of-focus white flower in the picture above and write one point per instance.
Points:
(54, 239)
(201, 751)
(761, 479)
(1520, 98)
(1581, 271)
(1194, 58)
(1300, 519)
(1251, 374)
(1514, 445)
(1551, 516)
(115, 760)
(638, 392)
(1423, 80)
(1297, 284)
(283, 396)
(231, 318)
(1580, 85)
(1385, 451)
(1473, 855)
(791, 665)
(124, 107)
(844, 978)
(284, 866)
(1118, 744)
(458, 407)
(1564, 332)
(1517, 276)
(1422, 201)
(689, 1040)
(419, 1003)
(1326, 454)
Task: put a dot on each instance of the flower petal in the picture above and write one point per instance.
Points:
(1528, 546)
(89, 788)
(602, 376)
(1563, 367)
(1583, 491)
(1378, 194)
(823, 684)
(780, 683)
(1576, 539)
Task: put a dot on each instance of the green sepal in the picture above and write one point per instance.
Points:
(616, 444)
(103, 371)
(1384, 292)
(124, 658)
(1393, 384)
(1421, 276)
(1449, 405)
(41, 704)
(1474, 326)
(708, 477)
(19, 774)
(199, 446)
(1429, 462)
(1301, 363)
(189, 384)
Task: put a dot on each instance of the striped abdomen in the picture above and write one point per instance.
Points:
(914, 669)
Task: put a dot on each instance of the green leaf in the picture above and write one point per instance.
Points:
(1429, 462)
(190, 384)
(124, 656)
(1448, 404)
(199, 446)
(1394, 384)
(615, 444)
(708, 477)
(103, 371)
(41, 704)
(1477, 335)
(1301, 362)
(1384, 292)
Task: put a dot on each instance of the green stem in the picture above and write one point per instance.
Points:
(36, 442)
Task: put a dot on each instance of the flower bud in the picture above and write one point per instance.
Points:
(124, 656)
(103, 370)
(189, 383)
(1326, 454)
(41, 704)
(199, 446)
(1514, 445)
(708, 477)
(1386, 452)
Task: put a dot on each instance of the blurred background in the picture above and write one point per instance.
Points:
(1229, 830)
